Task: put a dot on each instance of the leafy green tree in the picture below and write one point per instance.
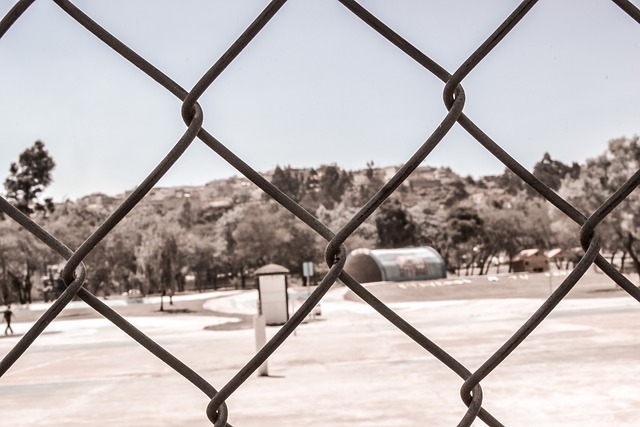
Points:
(159, 258)
(289, 181)
(510, 182)
(311, 181)
(465, 224)
(466, 231)
(552, 172)
(599, 179)
(186, 215)
(310, 191)
(457, 192)
(269, 234)
(431, 224)
(395, 227)
(119, 262)
(365, 191)
(333, 183)
(365, 236)
(111, 265)
(225, 245)
(566, 235)
(202, 262)
(28, 178)
(508, 231)
(20, 256)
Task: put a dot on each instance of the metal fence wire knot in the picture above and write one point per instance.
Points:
(453, 97)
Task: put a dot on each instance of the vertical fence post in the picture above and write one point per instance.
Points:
(260, 327)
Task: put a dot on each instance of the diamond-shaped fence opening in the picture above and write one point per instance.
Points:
(192, 114)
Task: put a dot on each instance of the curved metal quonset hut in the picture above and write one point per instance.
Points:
(377, 265)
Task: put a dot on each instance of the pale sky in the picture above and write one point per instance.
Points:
(316, 86)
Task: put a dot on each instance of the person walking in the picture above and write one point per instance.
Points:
(8, 314)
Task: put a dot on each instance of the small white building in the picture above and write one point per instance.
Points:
(273, 301)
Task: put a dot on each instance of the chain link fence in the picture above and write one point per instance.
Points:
(335, 255)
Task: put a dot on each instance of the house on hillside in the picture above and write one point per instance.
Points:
(563, 258)
(98, 201)
(531, 261)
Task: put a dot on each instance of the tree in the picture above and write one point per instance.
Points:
(508, 231)
(201, 260)
(186, 216)
(457, 192)
(365, 236)
(20, 254)
(333, 184)
(311, 182)
(395, 227)
(598, 180)
(118, 264)
(28, 178)
(269, 234)
(159, 259)
(289, 181)
(465, 233)
(168, 267)
(365, 189)
(111, 265)
(552, 172)
(432, 230)
(226, 249)
(510, 182)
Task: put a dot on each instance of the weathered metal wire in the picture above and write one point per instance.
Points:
(192, 114)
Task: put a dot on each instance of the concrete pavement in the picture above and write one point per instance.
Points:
(348, 368)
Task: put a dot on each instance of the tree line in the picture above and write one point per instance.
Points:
(161, 247)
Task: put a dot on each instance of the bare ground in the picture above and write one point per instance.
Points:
(539, 285)
(593, 284)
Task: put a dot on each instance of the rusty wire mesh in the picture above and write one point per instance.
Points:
(454, 99)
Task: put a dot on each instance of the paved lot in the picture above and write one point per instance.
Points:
(348, 368)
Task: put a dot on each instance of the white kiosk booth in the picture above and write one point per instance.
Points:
(273, 301)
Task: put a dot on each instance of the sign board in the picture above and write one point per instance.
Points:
(273, 298)
(307, 269)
